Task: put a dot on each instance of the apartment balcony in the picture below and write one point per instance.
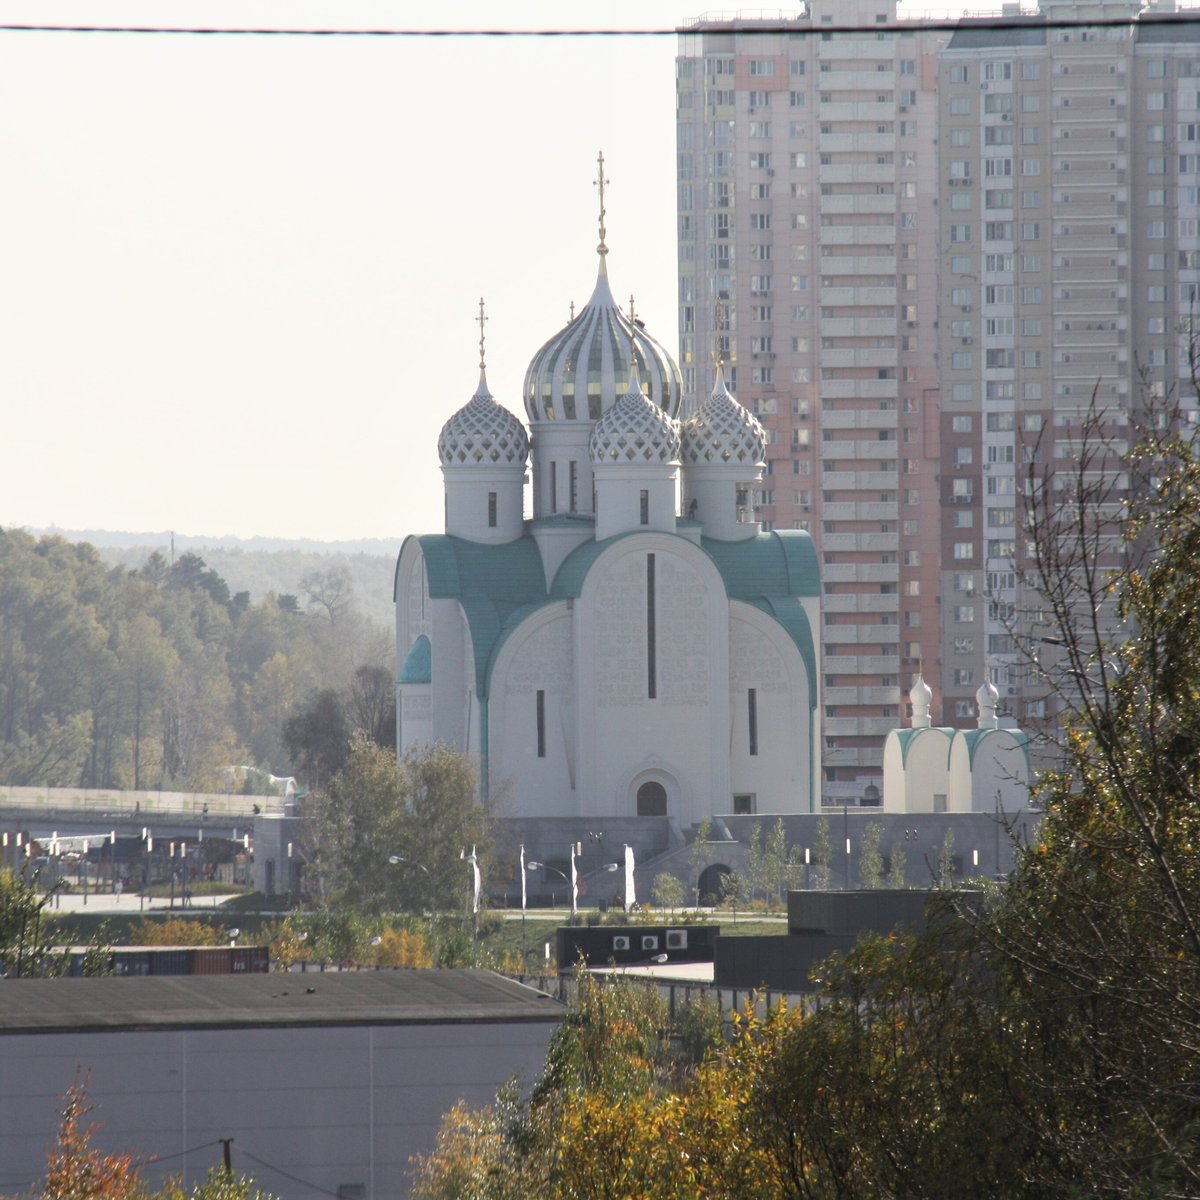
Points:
(841, 663)
(855, 297)
(869, 390)
(859, 418)
(860, 481)
(858, 264)
(860, 726)
(852, 756)
(856, 110)
(882, 664)
(857, 235)
(857, 172)
(859, 449)
(853, 356)
(873, 602)
(841, 602)
(858, 204)
(859, 49)
(863, 572)
(841, 635)
(848, 81)
(860, 540)
(858, 327)
(842, 727)
(862, 510)
(856, 143)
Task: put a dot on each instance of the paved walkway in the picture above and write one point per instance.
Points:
(107, 902)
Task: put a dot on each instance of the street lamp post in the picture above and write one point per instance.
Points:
(396, 860)
(533, 865)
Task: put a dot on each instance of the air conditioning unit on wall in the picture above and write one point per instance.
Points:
(649, 941)
(676, 939)
(620, 942)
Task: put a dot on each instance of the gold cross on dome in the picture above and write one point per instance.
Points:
(482, 320)
(600, 181)
(632, 315)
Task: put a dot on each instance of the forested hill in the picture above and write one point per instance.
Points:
(262, 565)
(161, 674)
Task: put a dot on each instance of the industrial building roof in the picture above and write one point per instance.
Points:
(392, 997)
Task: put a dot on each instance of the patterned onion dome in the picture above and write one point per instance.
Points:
(635, 430)
(483, 432)
(723, 431)
(577, 374)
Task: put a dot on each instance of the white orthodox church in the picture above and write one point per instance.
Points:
(639, 647)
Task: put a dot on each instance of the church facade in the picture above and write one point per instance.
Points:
(639, 647)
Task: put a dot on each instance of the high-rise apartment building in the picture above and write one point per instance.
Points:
(1068, 209)
(921, 254)
(808, 260)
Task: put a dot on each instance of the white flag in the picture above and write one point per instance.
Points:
(630, 894)
(522, 876)
(474, 861)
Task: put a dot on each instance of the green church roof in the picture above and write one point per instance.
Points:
(491, 582)
(499, 586)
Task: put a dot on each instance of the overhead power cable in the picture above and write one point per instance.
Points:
(948, 24)
(238, 1148)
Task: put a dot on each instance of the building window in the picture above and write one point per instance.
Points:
(541, 724)
(752, 718)
(651, 679)
(491, 510)
(743, 805)
(574, 483)
(644, 509)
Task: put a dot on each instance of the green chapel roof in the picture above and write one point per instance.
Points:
(906, 737)
(418, 666)
(973, 737)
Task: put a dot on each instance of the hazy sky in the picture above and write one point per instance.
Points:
(239, 275)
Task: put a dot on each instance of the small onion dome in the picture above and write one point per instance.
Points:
(988, 695)
(483, 432)
(920, 696)
(723, 431)
(635, 430)
(576, 375)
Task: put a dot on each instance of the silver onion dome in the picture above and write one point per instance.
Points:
(635, 430)
(723, 431)
(483, 432)
(578, 374)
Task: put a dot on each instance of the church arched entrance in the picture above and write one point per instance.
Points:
(652, 799)
(711, 885)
